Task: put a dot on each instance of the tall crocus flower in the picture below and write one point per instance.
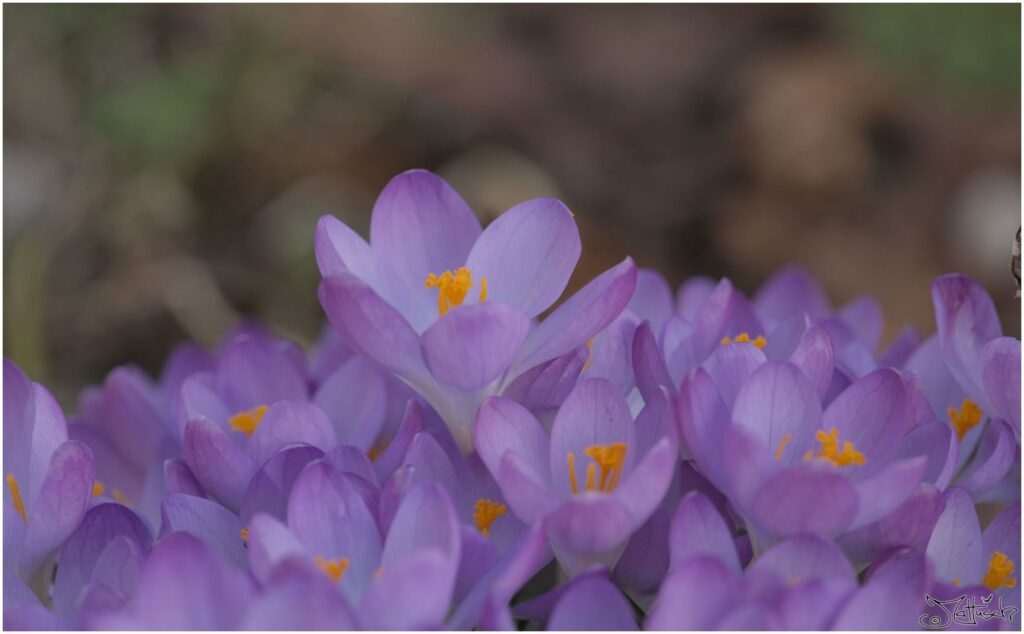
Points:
(788, 466)
(48, 478)
(594, 482)
(449, 308)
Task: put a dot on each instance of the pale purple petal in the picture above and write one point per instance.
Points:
(781, 505)
(1000, 377)
(652, 299)
(208, 521)
(648, 363)
(340, 249)
(966, 320)
(530, 498)
(646, 559)
(580, 317)
(220, 467)
(910, 525)
(884, 492)
(779, 402)
(730, 366)
(806, 557)
(703, 420)
(955, 545)
(527, 255)
(547, 385)
(889, 600)
(872, 414)
(178, 478)
(698, 529)
(414, 593)
(593, 604)
(612, 352)
(255, 371)
(864, 316)
(936, 441)
(589, 530)
(391, 458)
(475, 343)
(692, 294)
(270, 486)
(270, 542)
(354, 397)
(901, 348)
(502, 426)
(790, 290)
(643, 489)
(705, 577)
(814, 356)
(992, 459)
(300, 599)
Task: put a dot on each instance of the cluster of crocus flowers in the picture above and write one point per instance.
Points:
(461, 451)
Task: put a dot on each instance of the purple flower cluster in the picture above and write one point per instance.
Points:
(456, 454)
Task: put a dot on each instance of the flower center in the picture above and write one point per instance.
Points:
(97, 489)
(965, 418)
(743, 337)
(247, 421)
(830, 450)
(609, 458)
(19, 505)
(452, 288)
(244, 534)
(1000, 567)
(120, 497)
(485, 512)
(333, 568)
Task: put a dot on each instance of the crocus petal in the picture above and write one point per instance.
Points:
(692, 294)
(503, 426)
(992, 460)
(61, 503)
(938, 383)
(527, 255)
(579, 318)
(652, 299)
(546, 385)
(725, 313)
(349, 459)
(648, 364)
(901, 348)
(370, 325)
(646, 559)
(354, 397)
(413, 593)
(966, 320)
(936, 441)
(185, 585)
(910, 525)
(814, 356)
(473, 344)
(730, 366)
(339, 249)
(806, 499)
(391, 458)
(529, 498)
(178, 478)
(872, 414)
(592, 604)
(806, 557)
(539, 608)
(254, 371)
(1003, 533)
(300, 599)
(222, 468)
(80, 554)
(329, 516)
(594, 413)
(791, 290)
(889, 600)
(683, 347)
(131, 416)
(288, 423)
(643, 489)
(864, 316)
(426, 461)
(199, 398)
(269, 488)
(703, 420)
(884, 492)
(612, 351)
(269, 543)
(420, 225)
(589, 530)
(208, 521)
(778, 401)
(706, 577)
(955, 544)
(1000, 376)
(698, 529)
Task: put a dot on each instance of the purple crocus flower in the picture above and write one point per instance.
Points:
(594, 482)
(448, 307)
(48, 481)
(757, 430)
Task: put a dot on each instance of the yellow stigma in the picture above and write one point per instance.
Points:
(247, 421)
(609, 458)
(1000, 567)
(485, 512)
(743, 337)
(333, 568)
(453, 287)
(97, 489)
(19, 505)
(244, 534)
(121, 498)
(956, 582)
(782, 445)
(967, 417)
(830, 450)
(590, 354)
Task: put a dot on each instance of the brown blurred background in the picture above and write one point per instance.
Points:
(165, 165)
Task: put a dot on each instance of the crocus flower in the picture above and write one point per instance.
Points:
(48, 478)
(789, 467)
(448, 307)
(594, 482)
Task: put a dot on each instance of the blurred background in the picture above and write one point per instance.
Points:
(164, 165)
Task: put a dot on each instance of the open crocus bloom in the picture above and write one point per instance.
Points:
(594, 482)
(790, 468)
(450, 308)
(48, 479)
